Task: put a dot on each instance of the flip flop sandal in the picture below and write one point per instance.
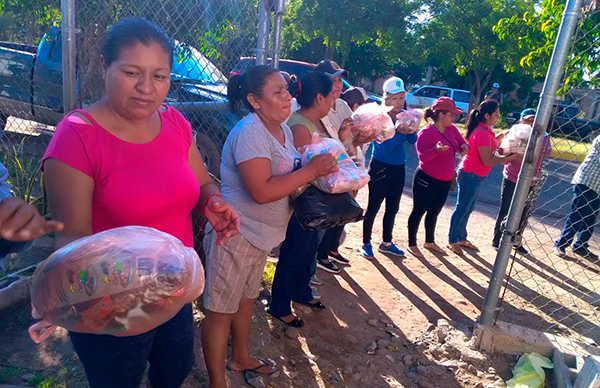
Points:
(468, 244)
(263, 364)
(315, 305)
(296, 322)
(455, 248)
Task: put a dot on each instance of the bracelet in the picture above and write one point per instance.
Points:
(209, 197)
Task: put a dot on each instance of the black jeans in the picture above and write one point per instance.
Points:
(295, 268)
(429, 196)
(507, 192)
(330, 242)
(387, 182)
(120, 362)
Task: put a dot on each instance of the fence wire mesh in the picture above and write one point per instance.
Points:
(545, 289)
(210, 38)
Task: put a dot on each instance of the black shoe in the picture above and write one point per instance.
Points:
(521, 250)
(338, 258)
(585, 252)
(327, 265)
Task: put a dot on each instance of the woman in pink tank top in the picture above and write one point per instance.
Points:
(129, 160)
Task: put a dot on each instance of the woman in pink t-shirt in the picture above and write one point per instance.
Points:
(129, 160)
(473, 169)
(437, 145)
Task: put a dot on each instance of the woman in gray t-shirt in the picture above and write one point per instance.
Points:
(258, 172)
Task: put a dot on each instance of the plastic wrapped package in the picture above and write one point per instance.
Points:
(349, 177)
(371, 119)
(515, 142)
(124, 281)
(409, 120)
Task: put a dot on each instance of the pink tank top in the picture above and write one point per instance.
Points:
(147, 184)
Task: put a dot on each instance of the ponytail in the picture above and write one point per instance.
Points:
(434, 115)
(477, 116)
(251, 82)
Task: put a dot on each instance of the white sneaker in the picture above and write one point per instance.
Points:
(316, 294)
(315, 280)
(560, 252)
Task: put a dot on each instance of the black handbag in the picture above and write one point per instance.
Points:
(317, 210)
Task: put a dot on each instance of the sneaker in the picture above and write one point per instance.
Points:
(338, 258)
(522, 251)
(391, 249)
(367, 251)
(327, 265)
(560, 252)
(585, 252)
(316, 294)
(496, 247)
(315, 280)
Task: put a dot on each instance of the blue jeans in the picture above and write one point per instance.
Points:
(120, 362)
(297, 263)
(469, 185)
(581, 221)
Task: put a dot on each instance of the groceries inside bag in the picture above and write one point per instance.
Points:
(124, 282)
(515, 142)
(373, 119)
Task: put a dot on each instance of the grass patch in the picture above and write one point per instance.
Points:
(568, 149)
(269, 274)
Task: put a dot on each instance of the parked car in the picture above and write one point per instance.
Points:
(31, 89)
(424, 96)
(290, 66)
(565, 121)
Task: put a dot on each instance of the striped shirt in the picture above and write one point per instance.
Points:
(588, 172)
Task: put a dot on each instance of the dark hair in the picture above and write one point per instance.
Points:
(312, 84)
(353, 96)
(127, 32)
(289, 78)
(478, 115)
(434, 115)
(251, 82)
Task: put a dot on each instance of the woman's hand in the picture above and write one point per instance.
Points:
(20, 221)
(322, 165)
(223, 218)
(345, 129)
(364, 138)
(464, 149)
(441, 147)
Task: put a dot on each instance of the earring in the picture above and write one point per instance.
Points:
(258, 108)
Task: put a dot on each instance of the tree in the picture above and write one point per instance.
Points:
(534, 35)
(459, 36)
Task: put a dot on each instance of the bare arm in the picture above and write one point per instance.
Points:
(301, 136)
(70, 199)
(490, 159)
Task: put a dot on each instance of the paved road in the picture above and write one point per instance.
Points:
(555, 200)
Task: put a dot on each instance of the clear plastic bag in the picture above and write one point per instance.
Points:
(124, 281)
(409, 120)
(371, 119)
(515, 142)
(348, 178)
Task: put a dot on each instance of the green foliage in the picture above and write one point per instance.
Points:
(534, 34)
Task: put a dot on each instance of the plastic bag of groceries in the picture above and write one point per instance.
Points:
(515, 142)
(124, 281)
(348, 178)
(409, 120)
(373, 118)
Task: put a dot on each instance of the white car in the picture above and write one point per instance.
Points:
(426, 95)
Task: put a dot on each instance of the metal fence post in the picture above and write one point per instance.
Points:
(69, 75)
(264, 16)
(279, 12)
(548, 97)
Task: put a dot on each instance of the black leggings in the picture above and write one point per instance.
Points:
(387, 182)
(429, 196)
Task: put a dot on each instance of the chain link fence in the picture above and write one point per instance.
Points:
(545, 289)
(210, 38)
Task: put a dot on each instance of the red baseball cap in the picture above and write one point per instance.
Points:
(446, 103)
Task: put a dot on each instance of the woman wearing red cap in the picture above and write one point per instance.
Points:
(473, 169)
(437, 145)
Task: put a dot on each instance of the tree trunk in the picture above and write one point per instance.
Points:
(29, 29)
(329, 50)
(477, 86)
(429, 75)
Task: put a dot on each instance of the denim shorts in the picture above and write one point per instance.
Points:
(120, 362)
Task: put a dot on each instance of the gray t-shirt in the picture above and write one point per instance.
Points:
(264, 226)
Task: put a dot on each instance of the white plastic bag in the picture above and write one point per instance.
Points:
(409, 120)
(124, 281)
(348, 178)
(515, 142)
(371, 119)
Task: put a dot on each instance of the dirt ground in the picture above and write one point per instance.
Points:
(390, 322)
